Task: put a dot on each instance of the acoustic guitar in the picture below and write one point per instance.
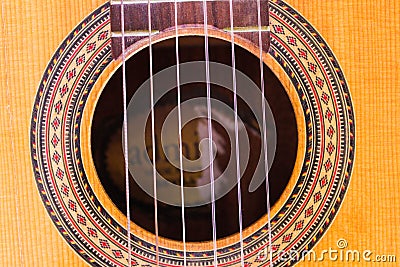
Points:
(200, 133)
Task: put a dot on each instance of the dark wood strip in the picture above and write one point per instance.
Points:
(189, 13)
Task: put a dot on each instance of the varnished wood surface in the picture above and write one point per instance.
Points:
(189, 13)
(364, 37)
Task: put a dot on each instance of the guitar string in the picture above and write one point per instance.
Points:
(153, 138)
(180, 132)
(237, 148)
(265, 143)
(210, 134)
(125, 134)
(11, 127)
(209, 129)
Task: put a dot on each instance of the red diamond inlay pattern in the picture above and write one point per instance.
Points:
(65, 189)
(329, 115)
(104, 243)
(56, 157)
(287, 238)
(260, 258)
(330, 132)
(275, 247)
(324, 181)
(309, 212)
(292, 40)
(103, 35)
(313, 68)
(278, 29)
(60, 173)
(58, 106)
(81, 219)
(92, 232)
(330, 148)
(134, 263)
(55, 123)
(328, 165)
(303, 53)
(118, 254)
(90, 47)
(72, 205)
(71, 74)
(64, 90)
(317, 197)
(319, 82)
(299, 225)
(325, 98)
(80, 60)
(55, 140)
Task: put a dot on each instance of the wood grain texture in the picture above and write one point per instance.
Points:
(363, 35)
(189, 13)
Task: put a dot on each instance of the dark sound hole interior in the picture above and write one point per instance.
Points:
(107, 142)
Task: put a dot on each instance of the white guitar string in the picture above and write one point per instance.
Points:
(125, 134)
(264, 130)
(180, 133)
(210, 135)
(11, 126)
(153, 138)
(237, 148)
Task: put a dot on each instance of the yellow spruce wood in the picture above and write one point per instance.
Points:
(363, 35)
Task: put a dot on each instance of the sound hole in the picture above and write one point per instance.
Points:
(108, 156)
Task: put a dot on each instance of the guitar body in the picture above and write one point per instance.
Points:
(363, 37)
